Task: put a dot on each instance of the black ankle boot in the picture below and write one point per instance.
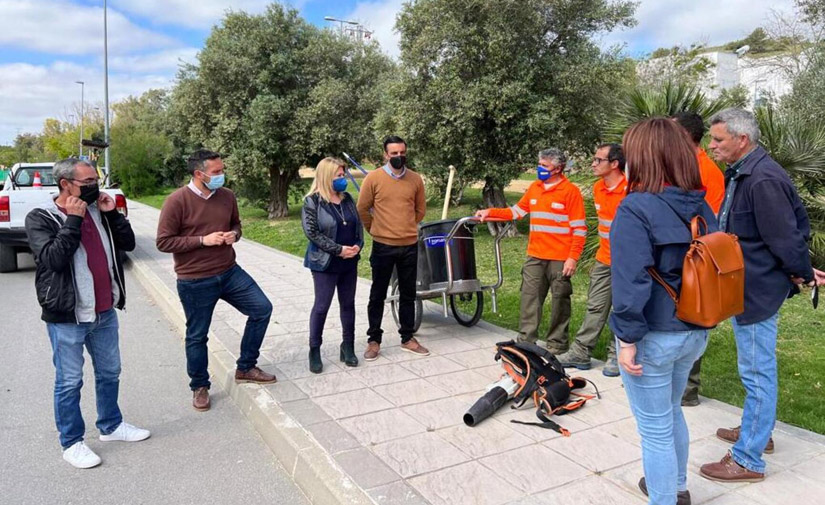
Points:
(315, 365)
(348, 353)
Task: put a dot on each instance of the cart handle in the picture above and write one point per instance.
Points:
(491, 220)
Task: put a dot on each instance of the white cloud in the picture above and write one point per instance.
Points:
(61, 27)
(31, 93)
(664, 23)
(166, 60)
(200, 14)
(379, 18)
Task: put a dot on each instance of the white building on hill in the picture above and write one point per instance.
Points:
(762, 77)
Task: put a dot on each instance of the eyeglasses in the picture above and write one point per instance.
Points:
(86, 182)
(597, 160)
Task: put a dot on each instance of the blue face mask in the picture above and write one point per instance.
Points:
(215, 182)
(542, 173)
(339, 184)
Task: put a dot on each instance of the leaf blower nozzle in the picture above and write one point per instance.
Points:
(497, 395)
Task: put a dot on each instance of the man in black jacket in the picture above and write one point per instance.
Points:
(763, 209)
(76, 240)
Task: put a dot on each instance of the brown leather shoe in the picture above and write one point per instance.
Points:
(414, 347)
(371, 354)
(682, 497)
(200, 399)
(731, 435)
(254, 375)
(729, 470)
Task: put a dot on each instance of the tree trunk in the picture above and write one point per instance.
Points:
(278, 193)
(493, 196)
(458, 195)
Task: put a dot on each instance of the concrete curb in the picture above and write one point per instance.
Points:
(307, 463)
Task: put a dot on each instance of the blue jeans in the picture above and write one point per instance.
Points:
(656, 401)
(325, 285)
(199, 297)
(101, 341)
(756, 356)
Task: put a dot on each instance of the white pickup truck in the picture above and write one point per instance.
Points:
(19, 196)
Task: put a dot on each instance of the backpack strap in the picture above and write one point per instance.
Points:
(668, 288)
(546, 423)
(694, 227)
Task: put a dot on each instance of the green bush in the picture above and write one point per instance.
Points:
(138, 158)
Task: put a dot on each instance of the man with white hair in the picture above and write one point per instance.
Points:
(763, 209)
(557, 235)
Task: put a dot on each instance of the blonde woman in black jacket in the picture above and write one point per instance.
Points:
(331, 223)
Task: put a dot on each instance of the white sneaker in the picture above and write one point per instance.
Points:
(80, 456)
(126, 433)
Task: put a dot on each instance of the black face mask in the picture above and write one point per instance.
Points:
(398, 162)
(90, 193)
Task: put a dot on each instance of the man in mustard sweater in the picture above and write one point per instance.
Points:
(391, 205)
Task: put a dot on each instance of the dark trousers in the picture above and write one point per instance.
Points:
(694, 381)
(325, 285)
(385, 258)
(199, 297)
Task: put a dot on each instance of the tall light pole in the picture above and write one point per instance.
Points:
(357, 33)
(106, 89)
(82, 95)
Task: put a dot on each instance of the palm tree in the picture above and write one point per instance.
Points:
(667, 101)
(798, 145)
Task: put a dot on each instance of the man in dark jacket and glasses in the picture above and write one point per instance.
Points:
(76, 240)
(761, 207)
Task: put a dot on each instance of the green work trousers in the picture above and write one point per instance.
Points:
(692, 389)
(599, 302)
(537, 278)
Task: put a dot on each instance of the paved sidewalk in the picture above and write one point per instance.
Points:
(393, 427)
(192, 458)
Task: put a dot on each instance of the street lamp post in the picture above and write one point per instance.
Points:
(82, 99)
(357, 33)
(106, 89)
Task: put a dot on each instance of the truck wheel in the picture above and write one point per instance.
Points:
(8, 259)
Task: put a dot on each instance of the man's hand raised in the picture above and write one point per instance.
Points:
(75, 206)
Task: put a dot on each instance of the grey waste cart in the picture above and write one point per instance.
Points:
(447, 270)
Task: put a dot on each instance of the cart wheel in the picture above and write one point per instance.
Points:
(419, 308)
(467, 307)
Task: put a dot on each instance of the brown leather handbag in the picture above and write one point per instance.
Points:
(713, 278)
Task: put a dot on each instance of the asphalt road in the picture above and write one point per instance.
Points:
(192, 458)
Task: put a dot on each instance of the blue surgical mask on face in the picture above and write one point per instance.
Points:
(339, 184)
(542, 173)
(215, 182)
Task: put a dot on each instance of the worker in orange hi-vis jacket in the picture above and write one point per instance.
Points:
(714, 182)
(608, 193)
(557, 234)
(713, 179)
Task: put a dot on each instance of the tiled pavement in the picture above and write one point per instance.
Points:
(395, 427)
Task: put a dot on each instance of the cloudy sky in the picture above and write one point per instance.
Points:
(47, 45)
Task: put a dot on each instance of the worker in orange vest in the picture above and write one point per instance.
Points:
(608, 192)
(557, 234)
(714, 181)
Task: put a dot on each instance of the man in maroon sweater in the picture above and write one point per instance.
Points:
(198, 225)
